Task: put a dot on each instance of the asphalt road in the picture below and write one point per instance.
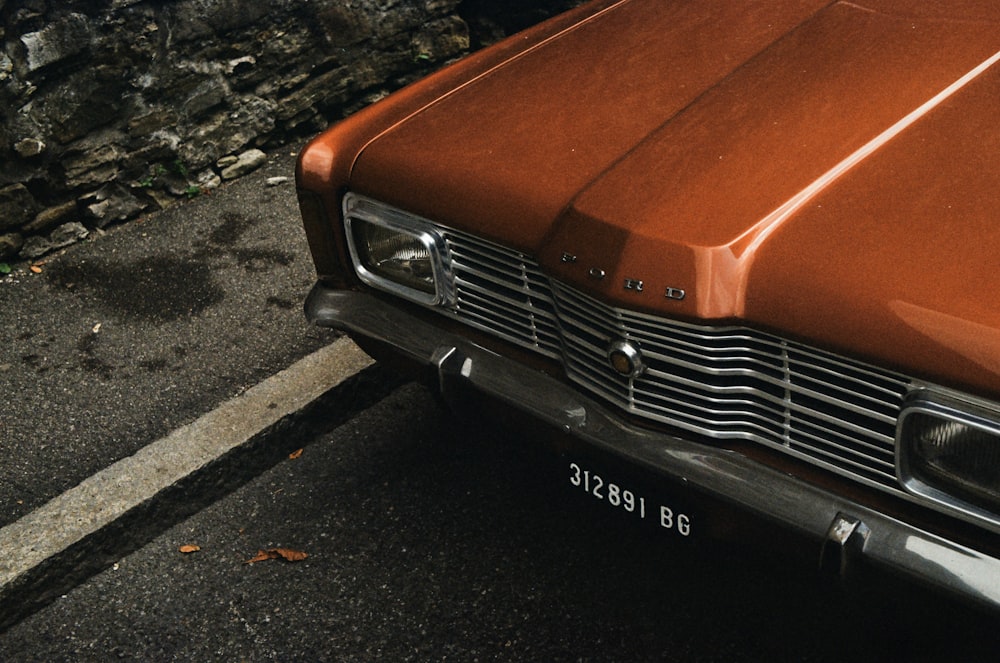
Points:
(428, 540)
(122, 338)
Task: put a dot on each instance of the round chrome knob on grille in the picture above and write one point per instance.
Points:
(626, 359)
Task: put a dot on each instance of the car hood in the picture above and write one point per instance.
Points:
(825, 170)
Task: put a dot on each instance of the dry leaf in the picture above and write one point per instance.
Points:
(295, 454)
(287, 554)
(35, 269)
(189, 549)
(261, 556)
(291, 555)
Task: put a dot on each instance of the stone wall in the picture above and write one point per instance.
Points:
(110, 108)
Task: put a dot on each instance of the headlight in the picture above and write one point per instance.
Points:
(949, 451)
(397, 252)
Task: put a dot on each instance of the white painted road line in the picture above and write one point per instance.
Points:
(108, 495)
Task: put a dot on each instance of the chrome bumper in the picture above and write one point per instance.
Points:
(848, 532)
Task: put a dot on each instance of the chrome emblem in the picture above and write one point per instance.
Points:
(629, 284)
(634, 284)
(626, 359)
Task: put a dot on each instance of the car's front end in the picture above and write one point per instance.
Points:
(749, 249)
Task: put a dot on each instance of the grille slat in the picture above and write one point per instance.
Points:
(491, 272)
(870, 382)
(764, 399)
(471, 291)
(719, 410)
(830, 438)
(501, 291)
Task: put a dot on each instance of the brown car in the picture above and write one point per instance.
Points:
(751, 247)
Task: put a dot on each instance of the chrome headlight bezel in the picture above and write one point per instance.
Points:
(359, 210)
(963, 414)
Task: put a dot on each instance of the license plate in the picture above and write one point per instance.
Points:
(628, 498)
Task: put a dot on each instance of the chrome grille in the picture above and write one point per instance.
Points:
(724, 383)
(735, 383)
(503, 292)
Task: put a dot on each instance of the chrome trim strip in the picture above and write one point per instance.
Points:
(777, 496)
